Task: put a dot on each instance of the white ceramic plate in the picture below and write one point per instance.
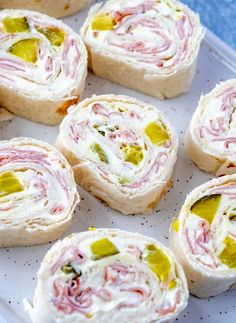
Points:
(18, 266)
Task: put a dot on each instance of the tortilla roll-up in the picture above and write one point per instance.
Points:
(37, 193)
(146, 45)
(58, 9)
(122, 150)
(210, 140)
(203, 237)
(108, 275)
(43, 66)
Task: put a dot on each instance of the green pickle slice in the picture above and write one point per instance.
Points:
(68, 269)
(159, 263)
(133, 154)
(103, 22)
(228, 255)
(172, 284)
(26, 49)
(55, 35)
(232, 217)
(123, 180)
(9, 184)
(101, 154)
(103, 248)
(15, 25)
(157, 134)
(207, 207)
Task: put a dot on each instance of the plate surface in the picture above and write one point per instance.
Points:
(18, 266)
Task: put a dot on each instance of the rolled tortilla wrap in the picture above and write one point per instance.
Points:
(43, 66)
(108, 275)
(58, 9)
(122, 151)
(147, 45)
(37, 193)
(210, 140)
(203, 237)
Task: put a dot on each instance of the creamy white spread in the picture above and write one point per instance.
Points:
(55, 73)
(115, 124)
(205, 241)
(154, 35)
(120, 288)
(214, 122)
(47, 189)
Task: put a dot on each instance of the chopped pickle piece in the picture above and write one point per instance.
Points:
(122, 180)
(103, 248)
(170, 5)
(175, 225)
(172, 284)
(26, 49)
(9, 184)
(92, 228)
(133, 154)
(157, 134)
(15, 25)
(122, 109)
(101, 132)
(207, 207)
(159, 262)
(97, 149)
(232, 217)
(55, 35)
(103, 22)
(228, 255)
(68, 269)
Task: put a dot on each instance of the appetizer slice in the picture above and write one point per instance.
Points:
(37, 193)
(210, 140)
(150, 46)
(203, 237)
(43, 66)
(58, 9)
(108, 275)
(123, 151)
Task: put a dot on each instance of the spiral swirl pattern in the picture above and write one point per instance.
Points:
(106, 275)
(203, 237)
(121, 147)
(161, 38)
(42, 65)
(37, 192)
(211, 138)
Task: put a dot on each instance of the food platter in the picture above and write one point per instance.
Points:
(18, 266)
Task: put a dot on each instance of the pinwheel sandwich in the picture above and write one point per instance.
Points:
(210, 140)
(37, 193)
(203, 237)
(122, 151)
(146, 45)
(53, 8)
(108, 275)
(43, 66)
